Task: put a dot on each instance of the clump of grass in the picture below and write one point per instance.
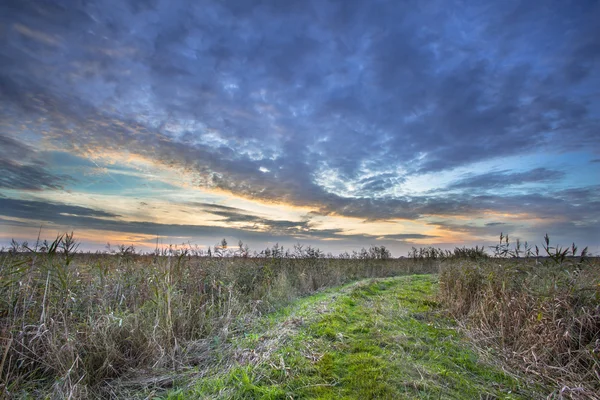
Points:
(541, 312)
(71, 323)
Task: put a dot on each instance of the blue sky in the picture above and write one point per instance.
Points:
(333, 123)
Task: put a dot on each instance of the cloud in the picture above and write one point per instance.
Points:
(477, 229)
(29, 177)
(29, 213)
(11, 148)
(406, 236)
(328, 105)
(495, 224)
(21, 170)
(40, 210)
(501, 179)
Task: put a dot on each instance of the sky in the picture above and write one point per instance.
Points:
(333, 123)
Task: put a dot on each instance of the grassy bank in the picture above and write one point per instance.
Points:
(377, 339)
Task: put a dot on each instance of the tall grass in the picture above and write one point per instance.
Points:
(541, 312)
(71, 323)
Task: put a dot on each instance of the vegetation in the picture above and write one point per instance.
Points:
(376, 339)
(73, 323)
(227, 322)
(432, 253)
(541, 314)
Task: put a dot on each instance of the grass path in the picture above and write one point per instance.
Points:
(375, 339)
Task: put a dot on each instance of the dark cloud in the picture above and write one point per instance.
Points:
(21, 169)
(12, 149)
(327, 104)
(380, 91)
(581, 205)
(501, 179)
(478, 230)
(406, 236)
(29, 177)
(235, 215)
(45, 211)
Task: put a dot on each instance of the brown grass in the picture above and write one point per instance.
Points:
(544, 317)
(71, 323)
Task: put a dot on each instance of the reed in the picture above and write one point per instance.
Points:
(72, 323)
(541, 312)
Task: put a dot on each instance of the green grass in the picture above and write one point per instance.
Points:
(375, 339)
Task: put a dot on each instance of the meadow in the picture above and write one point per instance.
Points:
(179, 323)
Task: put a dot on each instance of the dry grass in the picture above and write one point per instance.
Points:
(76, 325)
(72, 323)
(543, 315)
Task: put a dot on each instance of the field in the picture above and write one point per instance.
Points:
(176, 324)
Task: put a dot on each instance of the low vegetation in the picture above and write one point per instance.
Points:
(541, 313)
(228, 324)
(375, 339)
(73, 323)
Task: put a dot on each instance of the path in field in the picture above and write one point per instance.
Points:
(375, 339)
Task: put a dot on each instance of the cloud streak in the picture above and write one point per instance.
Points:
(76, 217)
(22, 171)
(502, 179)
